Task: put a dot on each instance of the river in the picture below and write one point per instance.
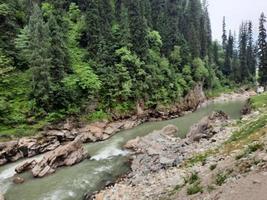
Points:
(108, 162)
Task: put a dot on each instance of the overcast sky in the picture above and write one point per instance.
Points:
(235, 11)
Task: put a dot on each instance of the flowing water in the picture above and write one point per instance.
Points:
(108, 162)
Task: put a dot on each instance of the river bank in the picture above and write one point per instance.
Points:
(108, 161)
(55, 136)
(235, 153)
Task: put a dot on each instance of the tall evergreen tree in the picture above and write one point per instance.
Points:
(90, 37)
(171, 34)
(40, 61)
(59, 63)
(224, 36)
(194, 14)
(251, 56)
(262, 45)
(138, 29)
(227, 69)
(243, 40)
(205, 32)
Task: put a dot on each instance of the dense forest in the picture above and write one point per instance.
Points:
(96, 57)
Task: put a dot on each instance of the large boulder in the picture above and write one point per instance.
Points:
(194, 98)
(66, 155)
(26, 166)
(207, 127)
(62, 135)
(18, 180)
(155, 151)
(9, 152)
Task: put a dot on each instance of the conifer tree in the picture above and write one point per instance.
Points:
(59, 62)
(138, 29)
(90, 38)
(205, 32)
(262, 45)
(227, 70)
(251, 56)
(193, 33)
(39, 60)
(224, 36)
(171, 34)
(243, 40)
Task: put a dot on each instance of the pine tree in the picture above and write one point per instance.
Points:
(171, 34)
(157, 14)
(205, 33)
(251, 56)
(262, 45)
(59, 63)
(193, 33)
(138, 29)
(146, 10)
(90, 38)
(118, 10)
(227, 69)
(224, 36)
(39, 61)
(243, 40)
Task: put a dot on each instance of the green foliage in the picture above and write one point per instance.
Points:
(6, 64)
(250, 149)
(221, 177)
(259, 101)
(154, 40)
(97, 116)
(193, 178)
(110, 53)
(194, 188)
(83, 77)
(201, 73)
(248, 129)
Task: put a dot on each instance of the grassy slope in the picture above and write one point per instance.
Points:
(249, 131)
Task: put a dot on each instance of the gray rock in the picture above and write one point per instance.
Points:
(155, 151)
(66, 155)
(26, 166)
(207, 127)
(18, 180)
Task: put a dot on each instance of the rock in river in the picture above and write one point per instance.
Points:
(26, 166)
(155, 151)
(66, 155)
(18, 180)
(207, 127)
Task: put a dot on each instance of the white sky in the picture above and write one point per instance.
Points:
(235, 12)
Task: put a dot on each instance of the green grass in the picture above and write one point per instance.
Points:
(259, 101)
(250, 149)
(249, 129)
(194, 188)
(218, 91)
(221, 177)
(193, 178)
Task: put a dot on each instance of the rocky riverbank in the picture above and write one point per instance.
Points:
(155, 155)
(57, 137)
(199, 165)
(53, 137)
